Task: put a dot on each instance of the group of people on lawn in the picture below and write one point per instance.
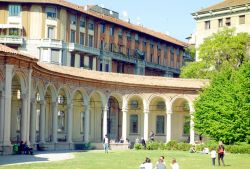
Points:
(160, 164)
(213, 153)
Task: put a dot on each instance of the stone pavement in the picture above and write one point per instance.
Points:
(37, 157)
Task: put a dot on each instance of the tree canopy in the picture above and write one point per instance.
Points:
(225, 47)
(222, 111)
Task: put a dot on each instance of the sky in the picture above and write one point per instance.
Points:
(172, 17)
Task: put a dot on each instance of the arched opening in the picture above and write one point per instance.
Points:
(180, 120)
(135, 118)
(114, 120)
(78, 129)
(96, 118)
(16, 110)
(49, 103)
(158, 118)
(62, 116)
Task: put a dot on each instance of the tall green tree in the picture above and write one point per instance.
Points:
(222, 111)
(223, 48)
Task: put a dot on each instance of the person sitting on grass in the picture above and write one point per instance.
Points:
(192, 149)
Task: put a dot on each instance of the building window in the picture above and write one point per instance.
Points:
(111, 48)
(81, 61)
(207, 25)
(72, 61)
(133, 124)
(151, 58)
(51, 32)
(136, 37)
(82, 23)
(73, 19)
(152, 46)
(228, 21)
(111, 31)
(120, 33)
(102, 45)
(120, 48)
(81, 38)
(159, 60)
(242, 19)
(61, 121)
(107, 68)
(220, 22)
(128, 51)
(82, 128)
(13, 31)
(55, 56)
(14, 10)
(186, 125)
(160, 124)
(91, 26)
(102, 25)
(51, 12)
(90, 41)
(72, 36)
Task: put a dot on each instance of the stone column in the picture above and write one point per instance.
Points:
(42, 122)
(7, 104)
(192, 126)
(86, 123)
(29, 87)
(146, 112)
(105, 120)
(69, 123)
(54, 121)
(1, 117)
(24, 118)
(169, 126)
(33, 121)
(124, 123)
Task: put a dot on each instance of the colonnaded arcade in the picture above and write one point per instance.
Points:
(61, 106)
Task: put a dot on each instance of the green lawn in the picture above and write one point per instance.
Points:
(131, 160)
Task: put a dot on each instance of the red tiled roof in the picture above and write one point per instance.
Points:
(141, 29)
(127, 79)
(225, 4)
(6, 49)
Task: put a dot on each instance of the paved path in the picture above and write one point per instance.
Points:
(37, 157)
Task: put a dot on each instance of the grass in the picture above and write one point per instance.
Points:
(132, 159)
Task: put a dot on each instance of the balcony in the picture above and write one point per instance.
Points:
(120, 57)
(14, 40)
(51, 43)
(85, 49)
(161, 67)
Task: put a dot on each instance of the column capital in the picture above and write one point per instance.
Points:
(106, 108)
(146, 111)
(169, 112)
(125, 110)
(42, 102)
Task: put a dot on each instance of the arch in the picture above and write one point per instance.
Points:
(53, 91)
(65, 89)
(21, 77)
(83, 93)
(103, 97)
(118, 97)
(39, 87)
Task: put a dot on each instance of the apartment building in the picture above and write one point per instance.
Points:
(229, 13)
(88, 37)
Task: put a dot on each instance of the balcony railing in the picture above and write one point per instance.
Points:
(161, 67)
(120, 57)
(85, 49)
(51, 43)
(17, 40)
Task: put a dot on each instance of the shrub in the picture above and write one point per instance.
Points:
(138, 146)
(242, 148)
(184, 146)
(153, 145)
(172, 145)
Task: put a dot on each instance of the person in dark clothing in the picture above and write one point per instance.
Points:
(221, 153)
(143, 143)
(152, 136)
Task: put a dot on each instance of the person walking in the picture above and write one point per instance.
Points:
(152, 136)
(106, 143)
(221, 153)
(213, 156)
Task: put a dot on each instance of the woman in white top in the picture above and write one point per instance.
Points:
(174, 164)
(147, 164)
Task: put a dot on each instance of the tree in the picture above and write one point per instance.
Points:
(225, 47)
(222, 111)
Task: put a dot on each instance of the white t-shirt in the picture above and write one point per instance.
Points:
(175, 166)
(213, 154)
(146, 166)
(106, 140)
